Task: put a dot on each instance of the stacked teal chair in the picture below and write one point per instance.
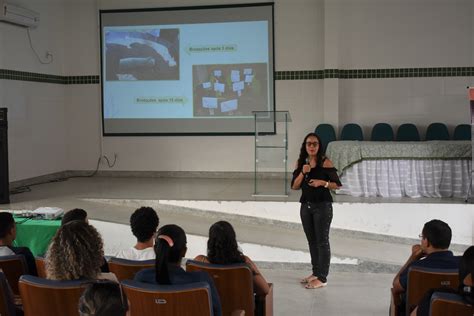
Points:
(352, 131)
(437, 131)
(407, 132)
(462, 132)
(382, 132)
(326, 133)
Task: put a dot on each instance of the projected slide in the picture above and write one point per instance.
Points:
(184, 72)
(142, 55)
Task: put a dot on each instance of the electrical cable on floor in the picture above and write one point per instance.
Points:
(27, 188)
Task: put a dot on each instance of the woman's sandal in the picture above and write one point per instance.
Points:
(315, 284)
(308, 279)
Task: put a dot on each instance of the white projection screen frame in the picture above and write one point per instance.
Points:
(187, 70)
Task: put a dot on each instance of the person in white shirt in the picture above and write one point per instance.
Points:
(7, 236)
(144, 223)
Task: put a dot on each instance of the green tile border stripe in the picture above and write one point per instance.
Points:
(375, 73)
(279, 75)
(47, 78)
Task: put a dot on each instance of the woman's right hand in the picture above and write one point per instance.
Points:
(306, 169)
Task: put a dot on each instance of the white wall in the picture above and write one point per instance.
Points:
(57, 127)
(405, 34)
(37, 119)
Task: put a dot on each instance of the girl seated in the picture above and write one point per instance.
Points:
(170, 248)
(76, 252)
(222, 248)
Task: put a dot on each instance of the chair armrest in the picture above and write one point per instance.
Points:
(395, 302)
(267, 301)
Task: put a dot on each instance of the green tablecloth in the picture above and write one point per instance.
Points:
(344, 154)
(35, 234)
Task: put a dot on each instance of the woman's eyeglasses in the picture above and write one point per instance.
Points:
(312, 144)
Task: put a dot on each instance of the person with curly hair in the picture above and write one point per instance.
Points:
(76, 253)
(170, 248)
(222, 249)
(144, 222)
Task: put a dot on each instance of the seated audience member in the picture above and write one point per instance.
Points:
(76, 253)
(103, 299)
(465, 290)
(170, 248)
(144, 222)
(78, 214)
(222, 248)
(7, 236)
(431, 253)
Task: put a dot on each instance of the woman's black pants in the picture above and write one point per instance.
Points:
(316, 219)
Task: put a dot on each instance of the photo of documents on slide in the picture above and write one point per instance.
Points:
(230, 90)
(149, 54)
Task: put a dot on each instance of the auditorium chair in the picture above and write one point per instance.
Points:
(407, 132)
(126, 269)
(13, 266)
(443, 304)
(382, 132)
(352, 131)
(326, 133)
(42, 297)
(462, 132)
(420, 281)
(235, 286)
(7, 306)
(193, 299)
(437, 131)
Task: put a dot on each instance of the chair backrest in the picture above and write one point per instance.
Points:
(42, 297)
(407, 132)
(193, 299)
(40, 267)
(326, 133)
(421, 280)
(443, 304)
(233, 282)
(382, 132)
(462, 132)
(13, 266)
(437, 131)
(352, 131)
(125, 269)
(7, 305)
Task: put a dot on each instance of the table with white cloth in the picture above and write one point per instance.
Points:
(396, 169)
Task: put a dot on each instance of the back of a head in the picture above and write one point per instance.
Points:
(6, 223)
(438, 233)
(103, 299)
(77, 214)
(144, 222)
(75, 252)
(170, 247)
(222, 245)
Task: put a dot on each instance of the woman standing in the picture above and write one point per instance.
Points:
(315, 175)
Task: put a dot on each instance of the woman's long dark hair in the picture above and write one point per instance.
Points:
(466, 266)
(222, 244)
(165, 253)
(304, 153)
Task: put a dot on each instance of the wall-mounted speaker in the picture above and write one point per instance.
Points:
(4, 181)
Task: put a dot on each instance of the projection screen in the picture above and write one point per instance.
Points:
(187, 70)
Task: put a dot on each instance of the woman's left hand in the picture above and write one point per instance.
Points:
(317, 183)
